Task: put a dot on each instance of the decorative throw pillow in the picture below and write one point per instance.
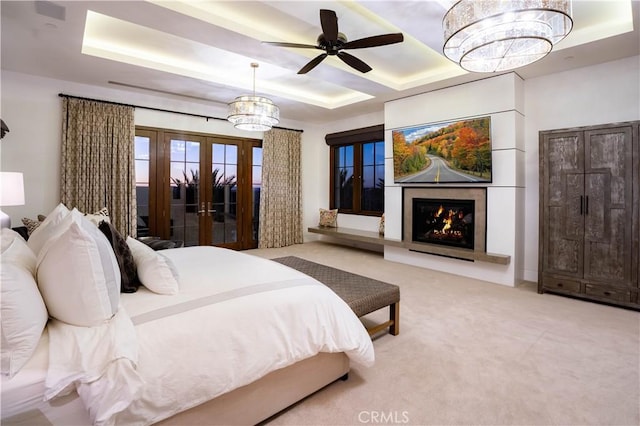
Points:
(381, 225)
(78, 275)
(101, 215)
(156, 272)
(329, 218)
(24, 314)
(129, 281)
(31, 224)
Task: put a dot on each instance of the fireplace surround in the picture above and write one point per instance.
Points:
(449, 221)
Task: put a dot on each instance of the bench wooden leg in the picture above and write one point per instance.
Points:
(394, 319)
(393, 324)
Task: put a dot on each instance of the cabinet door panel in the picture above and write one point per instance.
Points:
(563, 185)
(608, 189)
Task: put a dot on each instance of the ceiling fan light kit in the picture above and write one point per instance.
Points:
(253, 113)
(495, 36)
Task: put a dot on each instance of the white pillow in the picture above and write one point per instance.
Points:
(24, 314)
(50, 227)
(15, 250)
(7, 235)
(78, 275)
(155, 271)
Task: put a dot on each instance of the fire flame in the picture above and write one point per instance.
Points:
(447, 222)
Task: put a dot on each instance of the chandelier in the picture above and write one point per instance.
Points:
(254, 113)
(500, 35)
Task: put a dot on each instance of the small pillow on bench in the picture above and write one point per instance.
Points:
(329, 218)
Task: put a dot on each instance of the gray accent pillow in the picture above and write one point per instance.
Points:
(129, 275)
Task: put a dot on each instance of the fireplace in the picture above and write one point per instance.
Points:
(450, 221)
(443, 221)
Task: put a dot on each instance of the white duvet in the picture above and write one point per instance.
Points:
(236, 318)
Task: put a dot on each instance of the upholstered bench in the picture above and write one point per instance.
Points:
(363, 295)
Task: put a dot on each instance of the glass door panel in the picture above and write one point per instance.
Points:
(142, 159)
(256, 187)
(184, 187)
(224, 194)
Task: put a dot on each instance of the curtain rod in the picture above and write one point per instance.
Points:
(62, 95)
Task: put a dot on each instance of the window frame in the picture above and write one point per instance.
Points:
(356, 138)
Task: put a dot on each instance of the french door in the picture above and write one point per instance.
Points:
(203, 189)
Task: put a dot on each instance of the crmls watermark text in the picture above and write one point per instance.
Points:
(386, 417)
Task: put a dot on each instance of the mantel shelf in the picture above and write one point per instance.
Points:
(372, 237)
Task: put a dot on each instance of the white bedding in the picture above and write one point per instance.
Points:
(236, 318)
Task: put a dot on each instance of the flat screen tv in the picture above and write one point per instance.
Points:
(450, 152)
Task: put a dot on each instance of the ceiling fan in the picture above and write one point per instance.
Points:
(334, 42)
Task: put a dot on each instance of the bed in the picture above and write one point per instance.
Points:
(242, 339)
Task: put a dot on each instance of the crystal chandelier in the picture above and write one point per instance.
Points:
(253, 112)
(500, 35)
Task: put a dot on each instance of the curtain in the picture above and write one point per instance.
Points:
(281, 198)
(98, 167)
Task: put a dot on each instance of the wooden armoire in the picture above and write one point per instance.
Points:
(589, 213)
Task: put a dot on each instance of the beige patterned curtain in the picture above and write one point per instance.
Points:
(281, 198)
(98, 167)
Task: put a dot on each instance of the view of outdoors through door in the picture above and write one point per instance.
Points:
(184, 191)
(207, 188)
(224, 171)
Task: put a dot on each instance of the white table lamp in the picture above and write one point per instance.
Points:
(11, 194)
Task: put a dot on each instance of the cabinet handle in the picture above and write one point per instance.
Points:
(559, 285)
(581, 203)
(607, 293)
(586, 205)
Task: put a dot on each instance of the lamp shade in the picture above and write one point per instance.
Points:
(499, 35)
(11, 189)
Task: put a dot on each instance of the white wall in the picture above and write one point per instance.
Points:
(600, 94)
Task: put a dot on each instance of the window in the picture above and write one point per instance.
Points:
(357, 171)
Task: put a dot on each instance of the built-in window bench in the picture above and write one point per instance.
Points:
(356, 235)
(372, 237)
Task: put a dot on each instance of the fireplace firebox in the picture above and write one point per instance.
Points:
(443, 221)
(448, 221)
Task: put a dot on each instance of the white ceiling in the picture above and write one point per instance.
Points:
(201, 50)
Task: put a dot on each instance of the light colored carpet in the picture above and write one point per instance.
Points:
(472, 352)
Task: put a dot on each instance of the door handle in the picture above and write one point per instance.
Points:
(202, 210)
(209, 209)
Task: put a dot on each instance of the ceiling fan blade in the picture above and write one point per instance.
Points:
(379, 40)
(312, 64)
(354, 62)
(329, 23)
(277, 43)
